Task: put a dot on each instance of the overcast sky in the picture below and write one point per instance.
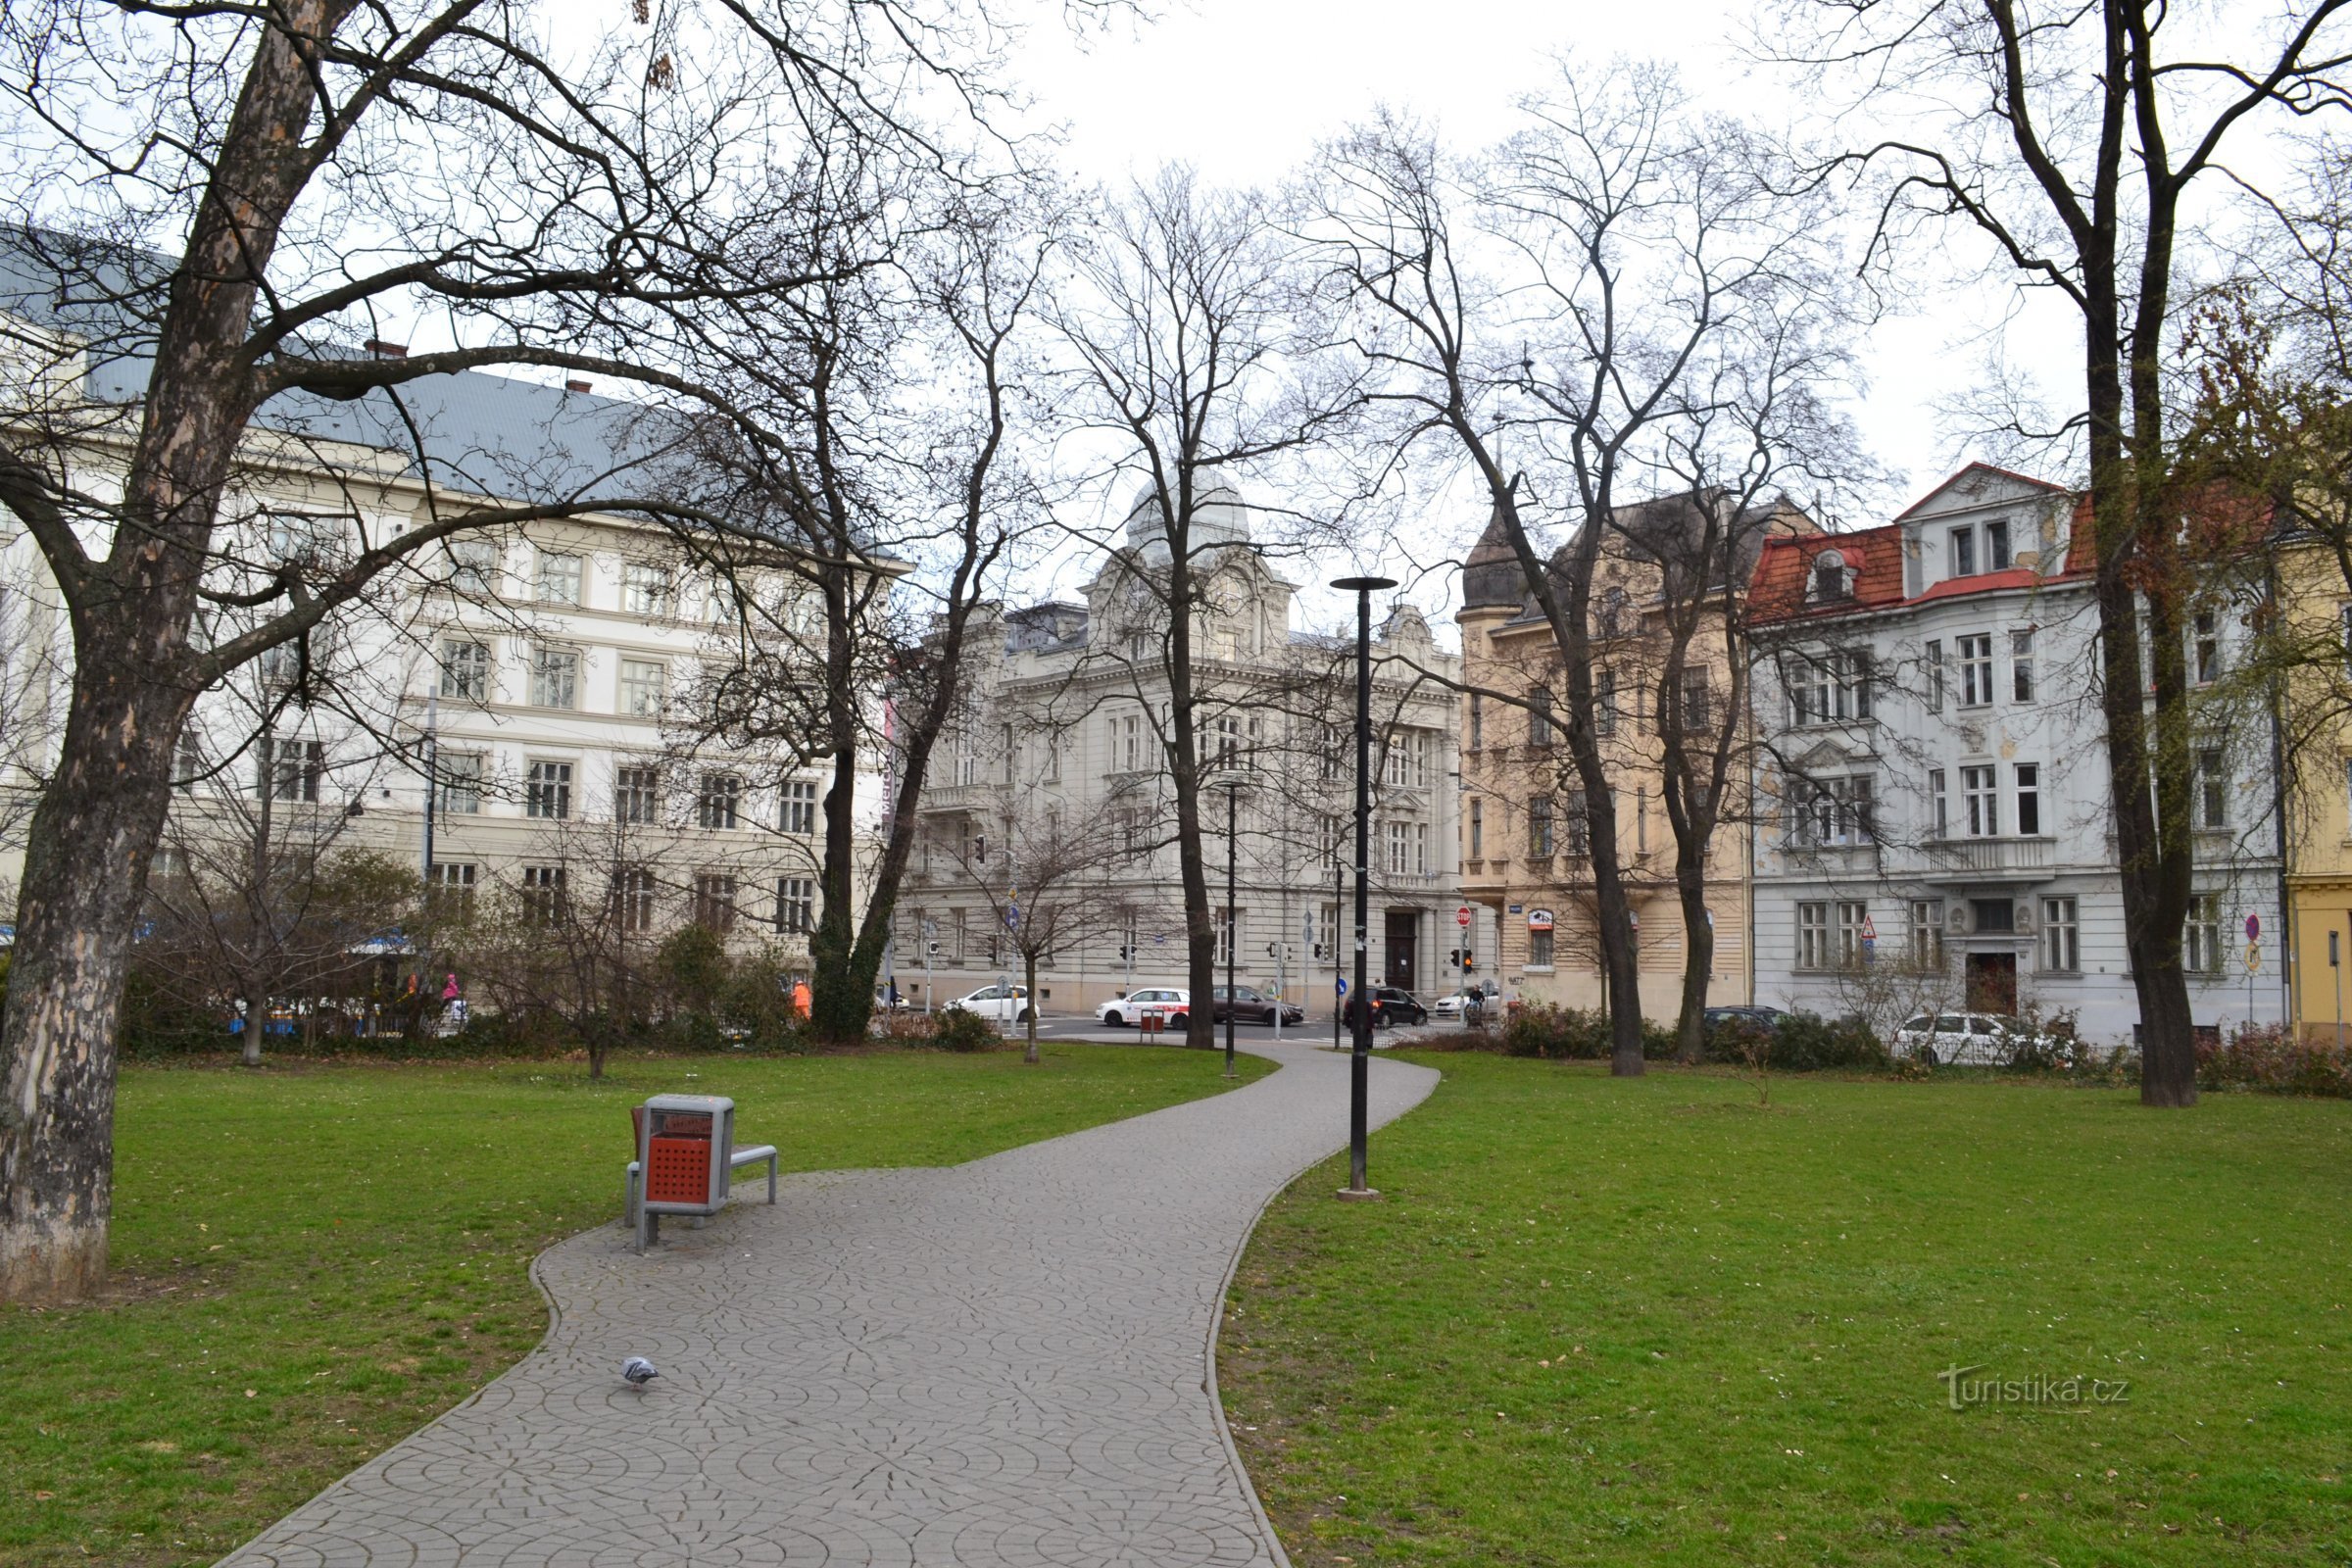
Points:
(1244, 89)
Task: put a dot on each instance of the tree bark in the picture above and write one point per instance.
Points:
(1699, 952)
(1029, 1058)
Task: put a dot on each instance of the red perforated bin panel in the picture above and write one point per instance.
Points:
(677, 1170)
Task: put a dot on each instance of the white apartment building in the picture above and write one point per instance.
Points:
(1934, 828)
(1069, 702)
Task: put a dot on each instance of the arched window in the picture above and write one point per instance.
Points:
(1612, 612)
(1828, 575)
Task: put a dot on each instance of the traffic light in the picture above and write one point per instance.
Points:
(1454, 959)
(1125, 952)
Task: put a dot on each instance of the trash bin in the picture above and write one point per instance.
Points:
(685, 1152)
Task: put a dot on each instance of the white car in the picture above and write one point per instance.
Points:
(1450, 1005)
(1168, 1005)
(1974, 1040)
(997, 1004)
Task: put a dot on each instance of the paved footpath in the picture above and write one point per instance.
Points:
(995, 1365)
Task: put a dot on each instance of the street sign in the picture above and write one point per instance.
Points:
(2253, 928)
(2253, 956)
(1012, 916)
(1342, 982)
(1539, 919)
(1461, 916)
(1870, 929)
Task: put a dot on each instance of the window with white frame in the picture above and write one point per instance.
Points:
(556, 578)
(1980, 797)
(645, 588)
(1812, 934)
(1835, 810)
(2205, 654)
(1228, 920)
(543, 893)
(1964, 551)
(546, 791)
(2061, 937)
(187, 760)
(2212, 804)
(637, 794)
(1580, 825)
(1477, 828)
(1939, 811)
(1932, 657)
(1538, 950)
(1853, 920)
(1604, 702)
(555, 677)
(1329, 831)
(1400, 848)
(1327, 931)
(718, 799)
(634, 892)
(2201, 938)
(2028, 800)
(1976, 669)
(2021, 665)
(1829, 581)
(715, 902)
(1053, 768)
(451, 886)
(296, 768)
(473, 566)
(722, 602)
(963, 756)
(800, 806)
(1927, 933)
(1538, 826)
(644, 687)
(465, 671)
(460, 784)
(1478, 721)
(1539, 717)
(1420, 849)
(796, 905)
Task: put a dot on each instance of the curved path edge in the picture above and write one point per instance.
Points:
(977, 1366)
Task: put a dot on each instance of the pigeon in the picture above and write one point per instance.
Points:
(637, 1372)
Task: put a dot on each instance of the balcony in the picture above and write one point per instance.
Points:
(958, 796)
(1987, 860)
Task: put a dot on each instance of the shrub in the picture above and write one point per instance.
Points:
(958, 1029)
(1806, 1042)
(2270, 1057)
(1557, 1033)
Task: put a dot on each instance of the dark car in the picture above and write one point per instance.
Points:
(1251, 1005)
(1765, 1018)
(1393, 1005)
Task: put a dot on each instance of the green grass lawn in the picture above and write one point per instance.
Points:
(1648, 1322)
(311, 1263)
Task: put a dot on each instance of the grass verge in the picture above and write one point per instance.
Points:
(310, 1262)
(1648, 1321)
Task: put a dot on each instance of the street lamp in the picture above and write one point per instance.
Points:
(1359, 1063)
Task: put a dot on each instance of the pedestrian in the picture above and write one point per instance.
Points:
(800, 1000)
(449, 990)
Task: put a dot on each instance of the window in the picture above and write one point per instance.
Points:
(451, 886)
(1328, 923)
(1225, 925)
(645, 588)
(796, 905)
(543, 893)
(2061, 937)
(1539, 717)
(723, 605)
(963, 758)
(1976, 669)
(1696, 708)
(557, 579)
(466, 671)
(1605, 702)
(715, 902)
(1811, 692)
(1011, 752)
(555, 677)
(1538, 827)
(280, 664)
(1982, 802)
(1939, 813)
(1612, 612)
(1328, 840)
(546, 791)
(1052, 774)
(1852, 921)
(473, 566)
(1477, 829)
(2021, 665)
(1580, 825)
(460, 784)
(800, 806)
(1992, 916)
(2206, 660)
(2201, 942)
(1933, 658)
(1228, 746)
(296, 768)
(633, 892)
(644, 684)
(1964, 551)
(637, 795)
(716, 802)
(2212, 789)
(1996, 545)
(1420, 849)
(1478, 721)
(2028, 800)
(1538, 950)
(1812, 934)
(1927, 933)
(188, 762)
(1400, 848)
(1331, 755)
(1854, 672)
(1828, 575)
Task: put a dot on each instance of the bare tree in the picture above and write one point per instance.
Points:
(325, 175)
(1597, 288)
(2071, 138)
(1196, 365)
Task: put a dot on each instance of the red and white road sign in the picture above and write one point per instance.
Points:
(1461, 916)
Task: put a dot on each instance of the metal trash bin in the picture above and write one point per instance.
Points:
(685, 1157)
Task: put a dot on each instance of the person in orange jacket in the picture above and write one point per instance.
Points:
(800, 999)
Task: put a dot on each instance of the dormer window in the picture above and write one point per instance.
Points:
(1964, 551)
(1830, 580)
(1996, 555)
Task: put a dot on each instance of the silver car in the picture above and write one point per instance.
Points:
(1976, 1040)
(1163, 1002)
(997, 1004)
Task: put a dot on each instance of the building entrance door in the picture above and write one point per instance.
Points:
(1992, 982)
(1403, 939)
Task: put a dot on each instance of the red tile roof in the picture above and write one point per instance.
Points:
(1873, 556)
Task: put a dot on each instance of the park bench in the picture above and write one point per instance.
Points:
(633, 1189)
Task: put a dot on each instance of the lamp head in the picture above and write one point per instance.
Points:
(1364, 585)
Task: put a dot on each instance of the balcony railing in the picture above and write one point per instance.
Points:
(1988, 856)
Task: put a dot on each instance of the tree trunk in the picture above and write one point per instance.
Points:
(1698, 955)
(1029, 981)
(86, 873)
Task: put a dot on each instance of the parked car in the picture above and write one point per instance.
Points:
(1169, 1003)
(1393, 1005)
(997, 1004)
(1759, 1018)
(1976, 1040)
(1451, 1005)
(1253, 1006)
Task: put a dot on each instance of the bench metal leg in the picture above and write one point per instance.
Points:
(632, 1195)
(771, 1181)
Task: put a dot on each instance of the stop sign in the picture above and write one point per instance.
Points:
(1461, 916)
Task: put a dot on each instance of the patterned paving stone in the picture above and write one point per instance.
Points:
(998, 1365)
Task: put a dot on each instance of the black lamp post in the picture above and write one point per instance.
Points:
(1231, 784)
(1359, 1065)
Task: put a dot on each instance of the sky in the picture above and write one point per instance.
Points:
(1244, 89)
